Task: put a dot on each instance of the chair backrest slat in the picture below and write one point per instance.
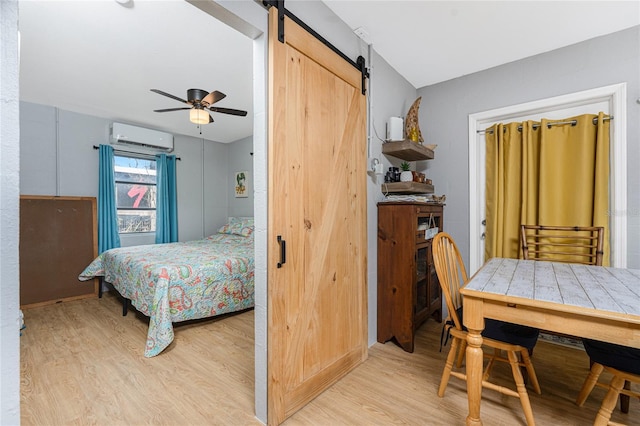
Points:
(575, 244)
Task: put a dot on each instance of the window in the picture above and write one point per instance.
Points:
(135, 194)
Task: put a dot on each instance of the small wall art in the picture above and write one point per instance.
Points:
(241, 186)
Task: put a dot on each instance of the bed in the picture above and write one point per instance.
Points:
(182, 281)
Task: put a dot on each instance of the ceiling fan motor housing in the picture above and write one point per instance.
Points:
(196, 95)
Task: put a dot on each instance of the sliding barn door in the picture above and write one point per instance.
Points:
(317, 206)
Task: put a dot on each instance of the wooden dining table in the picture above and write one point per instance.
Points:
(596, 302)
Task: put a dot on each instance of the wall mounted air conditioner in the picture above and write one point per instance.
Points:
(140, 138)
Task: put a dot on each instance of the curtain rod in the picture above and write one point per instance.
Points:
(136, 154)
(554, 123)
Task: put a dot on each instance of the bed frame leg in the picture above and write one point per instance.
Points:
(100, 287)
(125, 306)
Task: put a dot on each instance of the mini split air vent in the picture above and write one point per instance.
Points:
(139, 137)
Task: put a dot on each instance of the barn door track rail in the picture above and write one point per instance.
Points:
(359, 64)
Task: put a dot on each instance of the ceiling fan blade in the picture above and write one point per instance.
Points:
(229, 111)
(213, 97)
(210, 119)
(160, 92)
(169, 109)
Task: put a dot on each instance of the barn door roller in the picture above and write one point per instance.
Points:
(282, 11)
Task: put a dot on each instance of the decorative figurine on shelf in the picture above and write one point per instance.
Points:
(393, 175)
(438, 199)
(411, 126)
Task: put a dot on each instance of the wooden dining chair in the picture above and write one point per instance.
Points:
(500, 336)
(622, 362)
(574, 244)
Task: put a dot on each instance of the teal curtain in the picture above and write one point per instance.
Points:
(167, 201)
(108, 236)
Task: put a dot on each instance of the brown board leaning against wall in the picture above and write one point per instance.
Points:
(58, 239)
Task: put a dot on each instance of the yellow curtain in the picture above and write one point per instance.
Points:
(545, 175)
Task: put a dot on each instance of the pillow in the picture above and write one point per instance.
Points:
(245, 220)
(237, 228)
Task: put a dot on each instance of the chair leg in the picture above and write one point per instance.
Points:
(624, 399)
(609, 402)
(448, 366)
(589, 383)
(461, 352)
(492, 360)
(521, 388)
(531, 372)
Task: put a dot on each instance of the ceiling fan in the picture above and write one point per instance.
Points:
(200, 102)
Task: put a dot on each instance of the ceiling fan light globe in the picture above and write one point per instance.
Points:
(199, 116)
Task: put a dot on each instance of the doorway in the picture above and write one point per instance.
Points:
(609, 99)
(202, 218)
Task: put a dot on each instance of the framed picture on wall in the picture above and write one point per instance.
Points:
(241, 189)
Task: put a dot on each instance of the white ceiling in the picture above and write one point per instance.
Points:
(101, 57)
(434, 41)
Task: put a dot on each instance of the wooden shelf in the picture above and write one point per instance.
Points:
(407, 150)
(407, 188)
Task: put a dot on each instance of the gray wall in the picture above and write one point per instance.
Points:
(241, 160)
(57, 158)
(445, 107)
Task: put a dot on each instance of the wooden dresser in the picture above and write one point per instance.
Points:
(408, 287)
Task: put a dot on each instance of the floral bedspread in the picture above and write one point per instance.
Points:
(180, 281)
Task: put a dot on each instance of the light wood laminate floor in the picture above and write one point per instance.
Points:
(82, 363)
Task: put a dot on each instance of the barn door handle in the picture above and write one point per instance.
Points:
(283, 251)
